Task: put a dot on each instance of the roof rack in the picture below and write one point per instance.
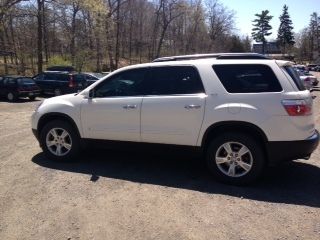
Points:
(213, 55)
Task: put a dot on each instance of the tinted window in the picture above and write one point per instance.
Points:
(49, 76)
(247, 78)
(89, 77)
(295, 77)
(79, 77)
(126, 83)
(25, 81)
(10, 81)
(57, 77)
(174, 80)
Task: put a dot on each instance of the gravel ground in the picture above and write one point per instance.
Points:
(111, 194)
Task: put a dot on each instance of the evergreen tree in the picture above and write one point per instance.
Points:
(261, 28)
(285, 34)
(314, 36)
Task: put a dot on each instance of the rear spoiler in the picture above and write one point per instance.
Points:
(282, 63)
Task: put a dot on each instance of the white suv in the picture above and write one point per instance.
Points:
(243, 111)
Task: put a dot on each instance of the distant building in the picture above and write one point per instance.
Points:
(270, 48)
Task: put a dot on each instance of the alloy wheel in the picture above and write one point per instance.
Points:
(234, 159)
(58, 142)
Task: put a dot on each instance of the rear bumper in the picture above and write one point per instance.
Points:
(29, 93)
(292, 150)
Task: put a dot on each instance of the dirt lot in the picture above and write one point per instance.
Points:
(132, 195)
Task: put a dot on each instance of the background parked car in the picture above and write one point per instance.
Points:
(58, 83)
(317, 68)
(307, 78)
(92, 77)
(311, 67)
(13, 87)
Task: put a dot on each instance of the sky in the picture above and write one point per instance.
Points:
(299, 11)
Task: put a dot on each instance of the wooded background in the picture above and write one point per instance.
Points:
(103, 35)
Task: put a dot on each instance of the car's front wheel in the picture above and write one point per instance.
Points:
(235, 158)
(60, 141)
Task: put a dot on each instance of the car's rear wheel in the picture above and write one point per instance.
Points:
(11, 97)
(235, 158)
(60, 141)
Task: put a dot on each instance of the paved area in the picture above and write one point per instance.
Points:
(113, 194)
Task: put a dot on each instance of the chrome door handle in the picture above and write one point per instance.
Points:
(129, 106)
(192, 106)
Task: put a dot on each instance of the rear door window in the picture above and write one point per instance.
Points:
(10, 81)
(173, 80)
(247, 78)
(25, 81)
(79, 77)
(49, 76)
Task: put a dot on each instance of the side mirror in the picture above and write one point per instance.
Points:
(88, 94)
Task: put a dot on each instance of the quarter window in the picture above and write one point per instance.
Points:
(253, 78)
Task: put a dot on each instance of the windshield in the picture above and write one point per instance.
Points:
(295, 77)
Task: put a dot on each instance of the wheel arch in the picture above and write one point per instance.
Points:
(56, 116)
(234, 126)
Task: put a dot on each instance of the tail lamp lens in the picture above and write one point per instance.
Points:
(298, 107)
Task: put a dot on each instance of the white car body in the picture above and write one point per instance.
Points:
(191, 119)
(160, 117)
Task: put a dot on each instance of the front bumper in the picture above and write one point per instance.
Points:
(292, 150)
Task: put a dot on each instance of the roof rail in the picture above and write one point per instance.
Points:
(213, 55)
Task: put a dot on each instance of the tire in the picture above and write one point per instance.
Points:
(57, 92)
(11, 97)
(235, 158)
(65, 146)
(32, 98)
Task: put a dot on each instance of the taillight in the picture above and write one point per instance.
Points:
(71, 82)
(298, 107)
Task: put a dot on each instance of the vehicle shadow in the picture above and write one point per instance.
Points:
(291, 183)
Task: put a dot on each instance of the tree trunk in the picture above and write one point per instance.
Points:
(73, 34)
(117, 35)
(45, 36)
(163, 32)
(109, 43)
(40, 28)
(13, 39)
(98, 45)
